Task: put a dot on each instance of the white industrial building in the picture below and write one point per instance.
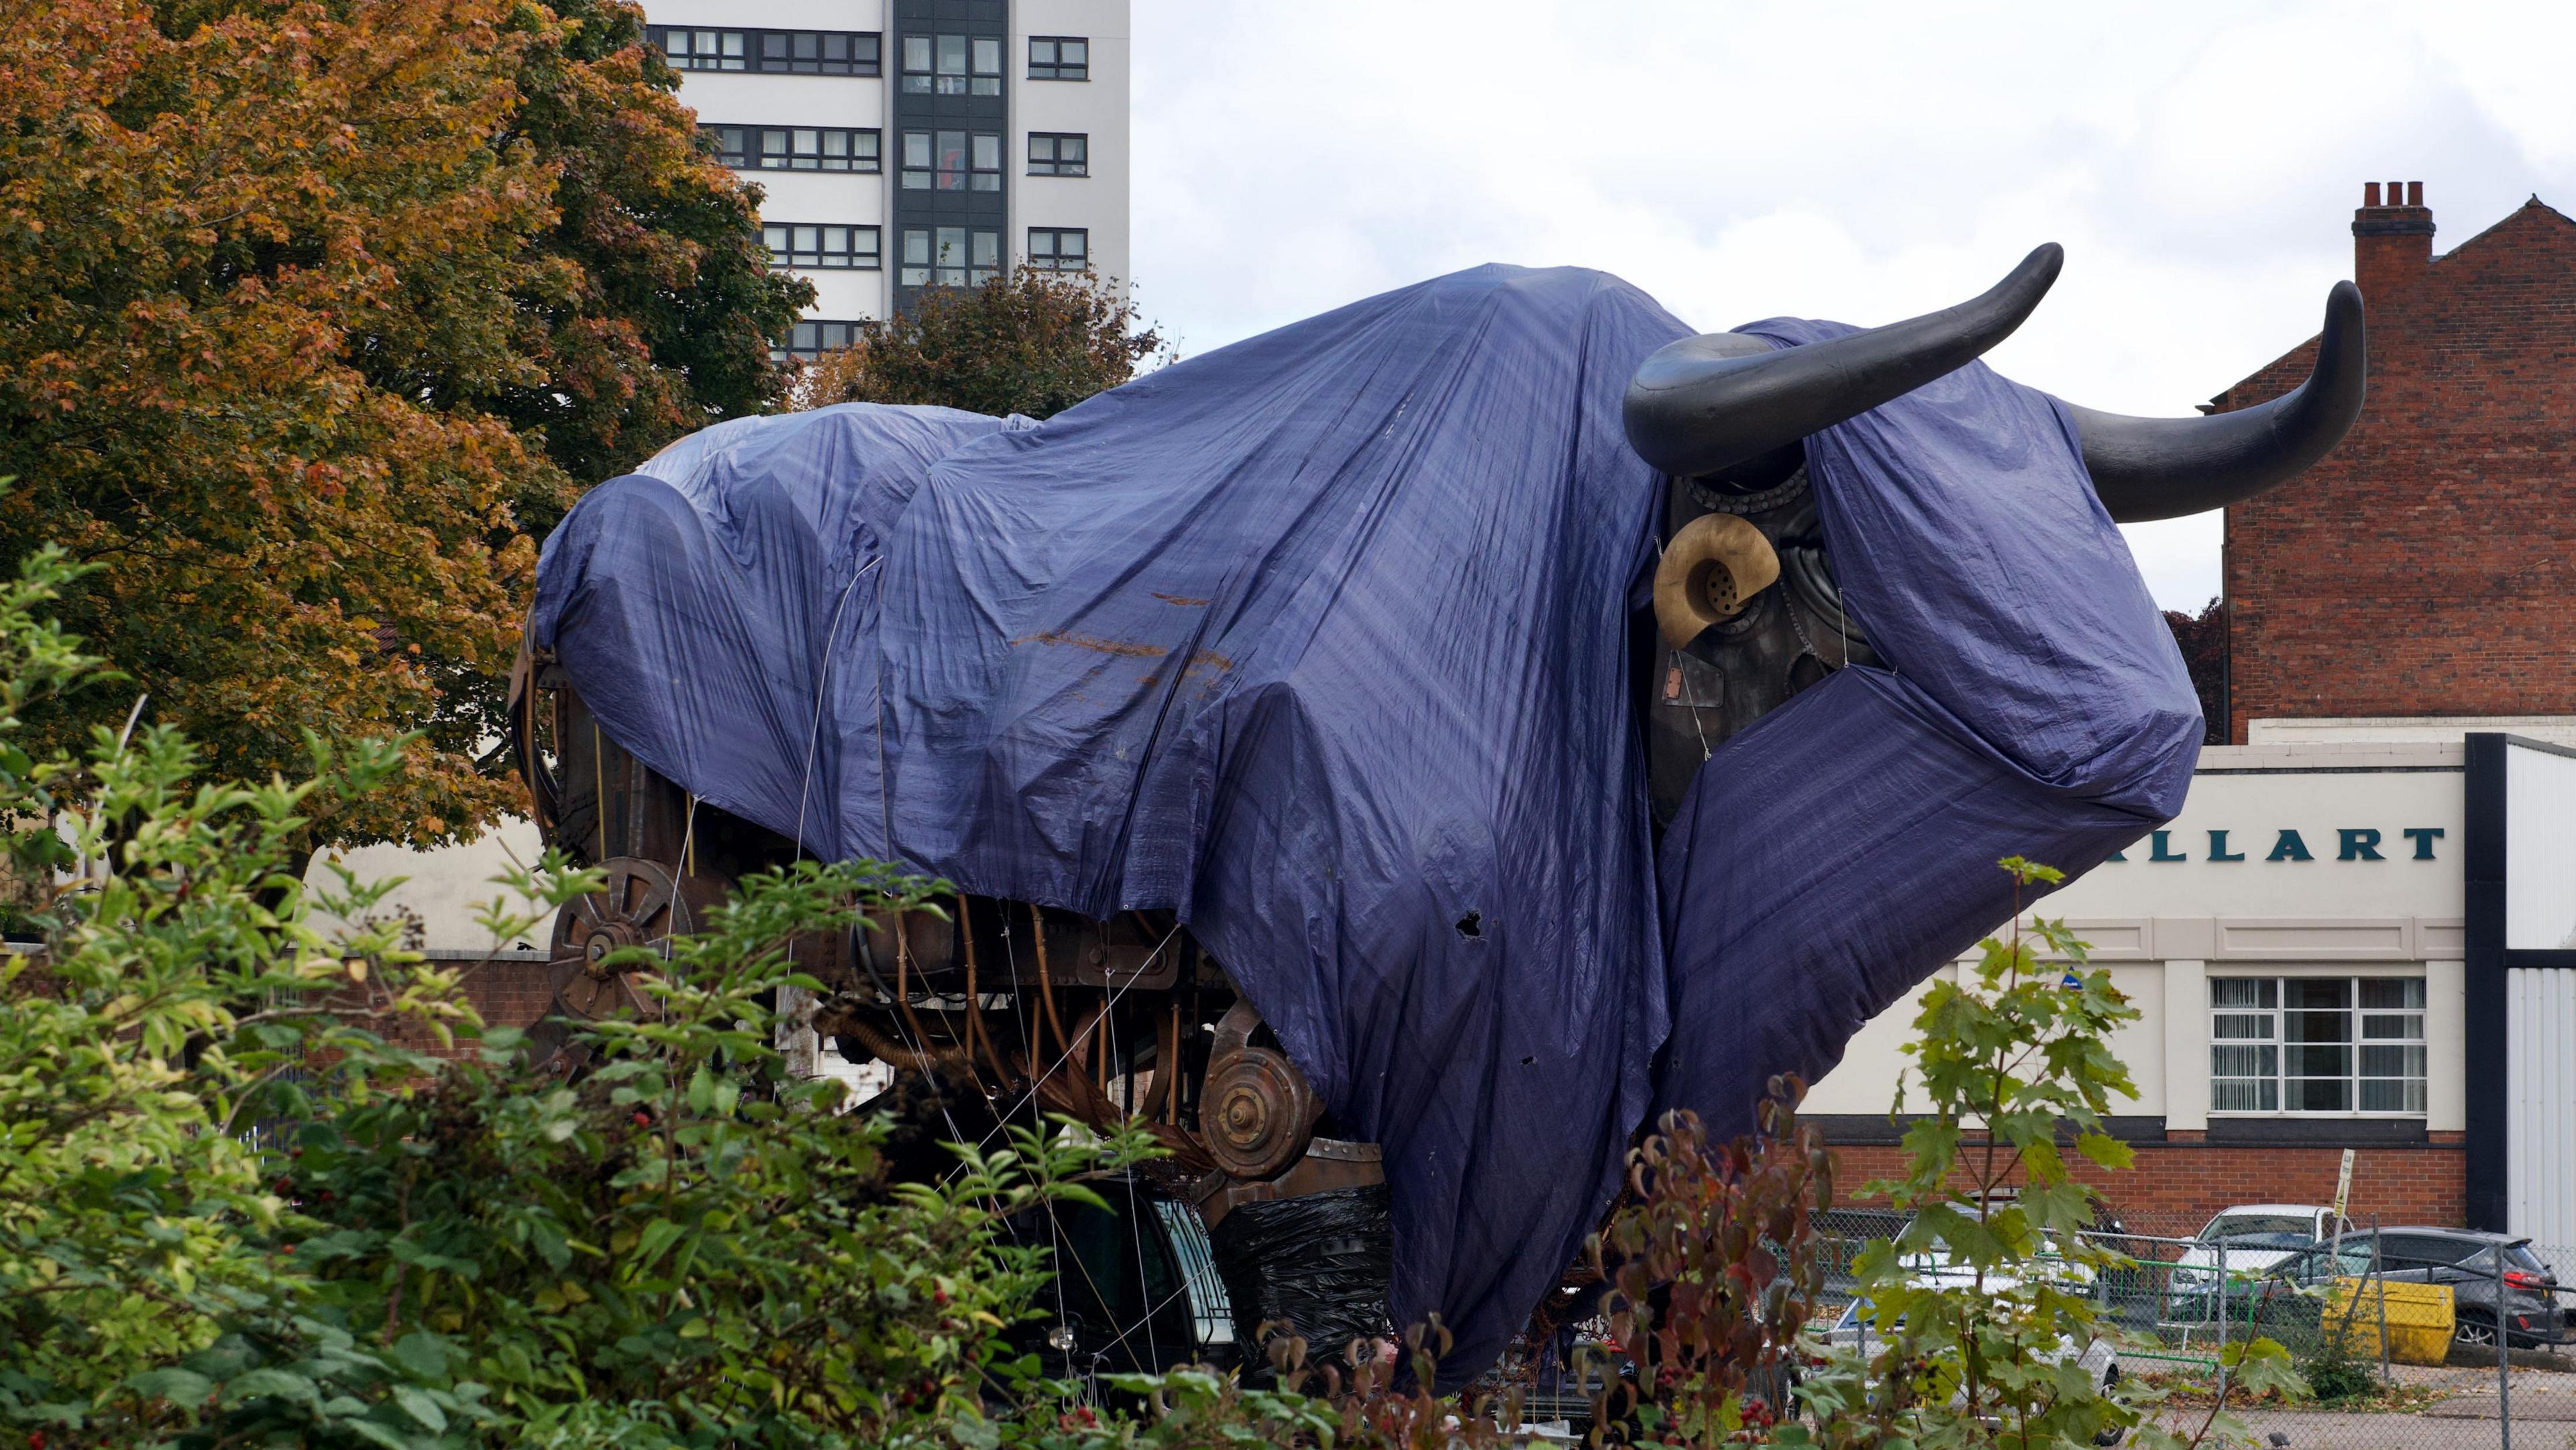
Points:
(904, 144)
(2357, 935)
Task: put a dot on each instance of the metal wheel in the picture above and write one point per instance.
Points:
(2470, 1331)
(639, 905)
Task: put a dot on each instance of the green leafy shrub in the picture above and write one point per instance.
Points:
(244, 1201)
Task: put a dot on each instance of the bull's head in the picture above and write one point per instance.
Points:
(1745, 599)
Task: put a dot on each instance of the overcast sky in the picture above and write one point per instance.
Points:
(1861, 162)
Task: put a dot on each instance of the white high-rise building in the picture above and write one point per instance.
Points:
(905, 144)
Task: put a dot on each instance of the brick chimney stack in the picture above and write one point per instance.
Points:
(2392, 244)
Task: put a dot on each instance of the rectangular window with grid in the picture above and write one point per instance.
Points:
(820, 245)
(950, 256)
(1059, 249)
(952, 161)
(952, 65)
(813, 337)
(2316, 1045)
(1059, 154)
(795, 148)
(775, 52)
(1059, 58)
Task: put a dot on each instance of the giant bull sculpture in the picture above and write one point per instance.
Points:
(1395, 754)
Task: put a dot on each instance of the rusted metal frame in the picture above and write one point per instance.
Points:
(903, 1002)
(1046, 990)
(977, 1034)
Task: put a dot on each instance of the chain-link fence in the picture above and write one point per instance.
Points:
(2436, 1338)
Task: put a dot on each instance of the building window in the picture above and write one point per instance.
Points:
(950, 256)
(814, 337)
(780, 52)
(811, 244)
(952, 65)
(1059, 249)
(952, 161)
(1059, 58)
(1059, 155)
(795, 148)
(2316, 1045)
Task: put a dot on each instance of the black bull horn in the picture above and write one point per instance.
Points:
(1708, 403)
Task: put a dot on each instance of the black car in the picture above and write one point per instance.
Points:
(2465, 1259)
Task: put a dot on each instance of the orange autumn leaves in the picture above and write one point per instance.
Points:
(314, 314)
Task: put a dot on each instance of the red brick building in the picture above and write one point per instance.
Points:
(2428, 565)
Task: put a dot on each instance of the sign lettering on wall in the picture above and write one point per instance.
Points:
(2341, 843)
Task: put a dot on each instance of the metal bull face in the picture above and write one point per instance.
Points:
(1747, 613)
(1785, 637)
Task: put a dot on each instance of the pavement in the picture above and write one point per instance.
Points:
(2543, 1404)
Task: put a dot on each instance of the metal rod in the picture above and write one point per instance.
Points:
(977, 1034)
(2379, 1277)
(1170, 1066)
(2504, 1361)
(2222, 1323)
(1046, 986)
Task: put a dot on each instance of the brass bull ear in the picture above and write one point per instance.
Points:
(1711, 567)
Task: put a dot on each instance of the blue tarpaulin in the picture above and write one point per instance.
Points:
(1322, 641)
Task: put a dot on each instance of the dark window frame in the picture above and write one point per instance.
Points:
(1055, 163)
(871, 259)
(812, 337)
(754, 153)
(934, 76)
(1053, 259)
(933, 173)
(970, 271)
(774, 52)
(1055, 67)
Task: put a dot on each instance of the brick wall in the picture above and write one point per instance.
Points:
(507, 994)
(2175, 1186)
(2428, 565)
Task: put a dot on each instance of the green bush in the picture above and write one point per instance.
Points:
(264, 1181)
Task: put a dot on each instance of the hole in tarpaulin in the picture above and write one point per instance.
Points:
(1472, 925)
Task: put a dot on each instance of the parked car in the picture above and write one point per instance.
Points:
(2247, 1241)
(1854, 1330)
(2291, 1294)
(2466, 1259)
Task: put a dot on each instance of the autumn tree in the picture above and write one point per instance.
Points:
(317, 314)
(1027, 341)
(2202, 638)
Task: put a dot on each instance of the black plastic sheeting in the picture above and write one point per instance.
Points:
(1315, 1266)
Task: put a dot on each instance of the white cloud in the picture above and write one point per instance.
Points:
(1862, 161)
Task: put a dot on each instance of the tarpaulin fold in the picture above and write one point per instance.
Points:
(1322, 641)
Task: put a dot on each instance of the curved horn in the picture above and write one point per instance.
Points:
(2162, 468)
(1704, 403)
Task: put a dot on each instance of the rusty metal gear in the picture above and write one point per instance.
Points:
(1258, 1112)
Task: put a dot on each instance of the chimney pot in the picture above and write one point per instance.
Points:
(2392, 239)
